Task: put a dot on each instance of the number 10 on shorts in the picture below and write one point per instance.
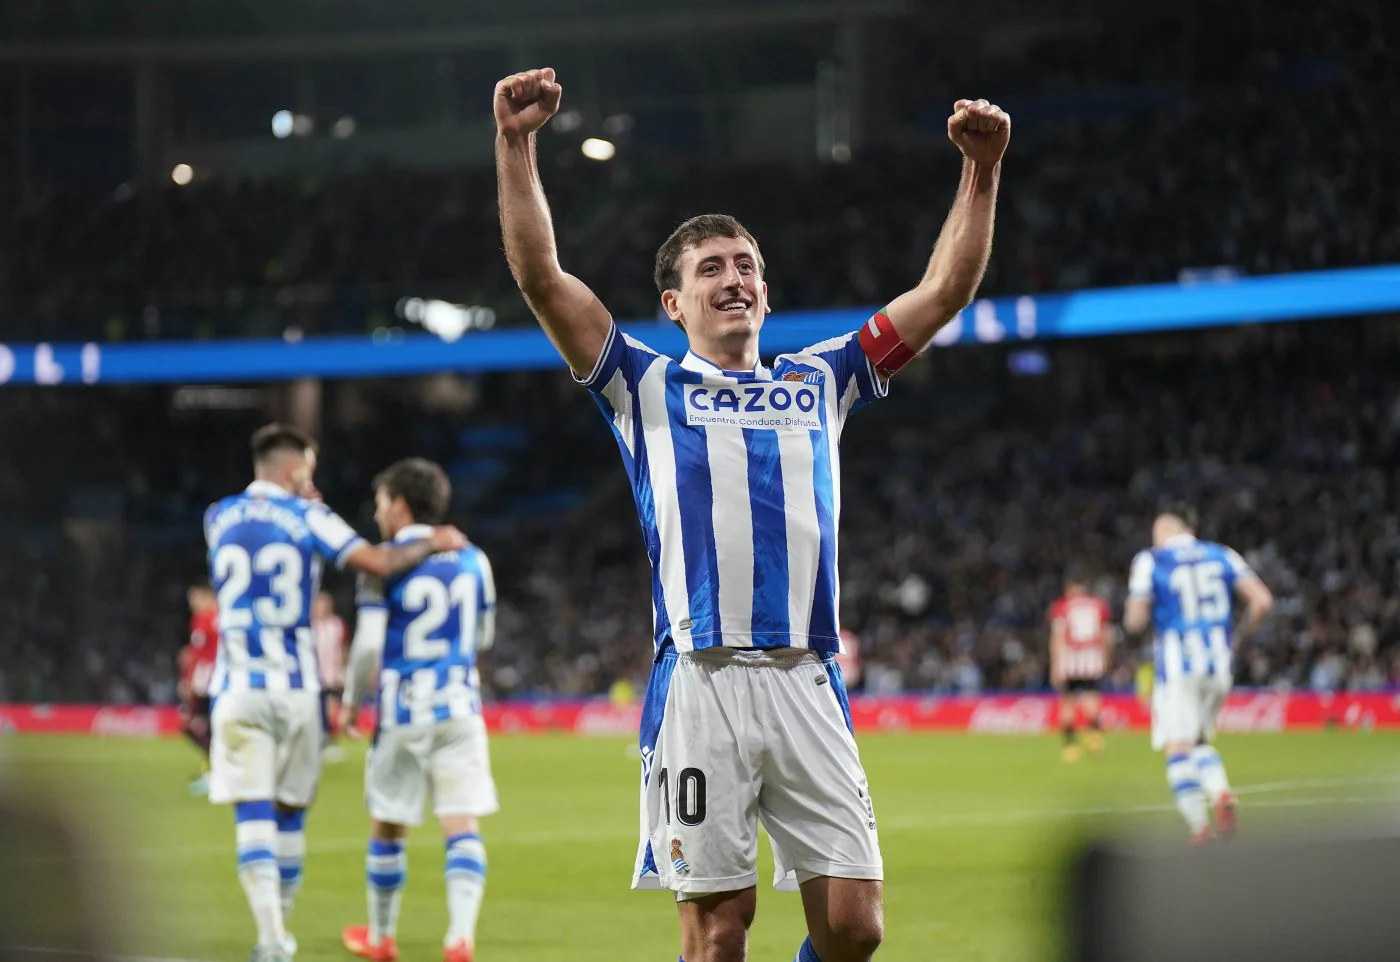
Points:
(690, 795)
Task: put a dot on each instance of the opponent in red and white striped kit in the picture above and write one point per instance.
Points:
(1080, 636)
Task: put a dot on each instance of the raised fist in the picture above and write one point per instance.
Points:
(524, 102)
(981, 130)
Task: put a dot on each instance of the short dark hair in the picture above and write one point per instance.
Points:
(271, 439)
(422, 484)
(692, 233)
(1077, 574)
(1182, 511)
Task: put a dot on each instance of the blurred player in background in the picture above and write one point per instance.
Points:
(196, 670)
(422, 630)
(265, 549)
(331, 644)
(1186, 590)
(1080, 637)
(735, 473)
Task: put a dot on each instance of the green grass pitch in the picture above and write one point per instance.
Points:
(976, 831)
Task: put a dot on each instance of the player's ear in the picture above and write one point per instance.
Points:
(767, 307)
(671, 304)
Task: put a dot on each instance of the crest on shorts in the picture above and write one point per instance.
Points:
(678, 861)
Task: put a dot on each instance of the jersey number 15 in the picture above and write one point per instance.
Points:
(1201, 590)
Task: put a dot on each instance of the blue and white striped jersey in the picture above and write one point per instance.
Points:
(1191, 585)
(265, 551)
(435, 618)
(737, 481)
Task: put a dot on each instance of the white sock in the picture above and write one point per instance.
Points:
(1190, 800)
(466, 882)
(1211, 771)
(386, 869)
(257, 869)
(291, 854)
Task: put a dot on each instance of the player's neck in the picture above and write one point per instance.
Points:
(737, 356)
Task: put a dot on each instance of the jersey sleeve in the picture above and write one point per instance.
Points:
(487, 599)
(330, 535)
(1239, 568)
(1140, 579)
(369, 592)
(1057, 613)
(486, 617)
(856, 382)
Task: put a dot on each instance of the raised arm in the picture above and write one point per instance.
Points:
(573, 317)
(981, 131)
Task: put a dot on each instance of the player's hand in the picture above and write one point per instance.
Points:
(447, 538)
(348, 721)
(524, 102)
(981, 130)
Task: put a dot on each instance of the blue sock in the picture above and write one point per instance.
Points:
(291, 854)
(466, 882)
(256, 828)
(386, 870)
(1186, 787)
(807, 953)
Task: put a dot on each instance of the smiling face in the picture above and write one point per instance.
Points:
(722, 294)
(710, 276)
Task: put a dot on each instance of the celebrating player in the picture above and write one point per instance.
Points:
(1080, 626)
(265, 549)
(736, 476)
(1186, 589)
(329, 632)
(425, 626)
(196, 668)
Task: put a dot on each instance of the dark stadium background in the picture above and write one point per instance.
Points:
(244, 172)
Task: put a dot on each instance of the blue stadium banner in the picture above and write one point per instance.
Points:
(1093, 313)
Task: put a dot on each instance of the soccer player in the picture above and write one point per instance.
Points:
(1186, 589)
(1080, 637)
(329, 632)
(196, 668)
(422, 629)
(265, 549)
(735, 472)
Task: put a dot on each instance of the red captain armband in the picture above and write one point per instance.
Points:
(883, 346)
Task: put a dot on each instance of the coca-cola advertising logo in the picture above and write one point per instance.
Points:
(129, 722)
(1253, 713)
(1024, 716)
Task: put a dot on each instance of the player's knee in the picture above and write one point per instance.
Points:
(856, 939)
(853, 933)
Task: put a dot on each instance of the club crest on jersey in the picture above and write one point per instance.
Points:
(771, 405)
(678, 861)
(811, 377)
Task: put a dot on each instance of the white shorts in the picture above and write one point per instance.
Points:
(266, 745)
(1184, 709)
(449, 759)
(733, 737)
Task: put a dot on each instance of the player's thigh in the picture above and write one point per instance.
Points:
(845, 916)
(1176, 713)
(396, 773)
(815, 800)
(459, 770)
(700, 788)
(243, 748)
(299, 747)
(1214, 691)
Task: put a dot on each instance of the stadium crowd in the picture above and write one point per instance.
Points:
(966, 495)
(966, 499)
